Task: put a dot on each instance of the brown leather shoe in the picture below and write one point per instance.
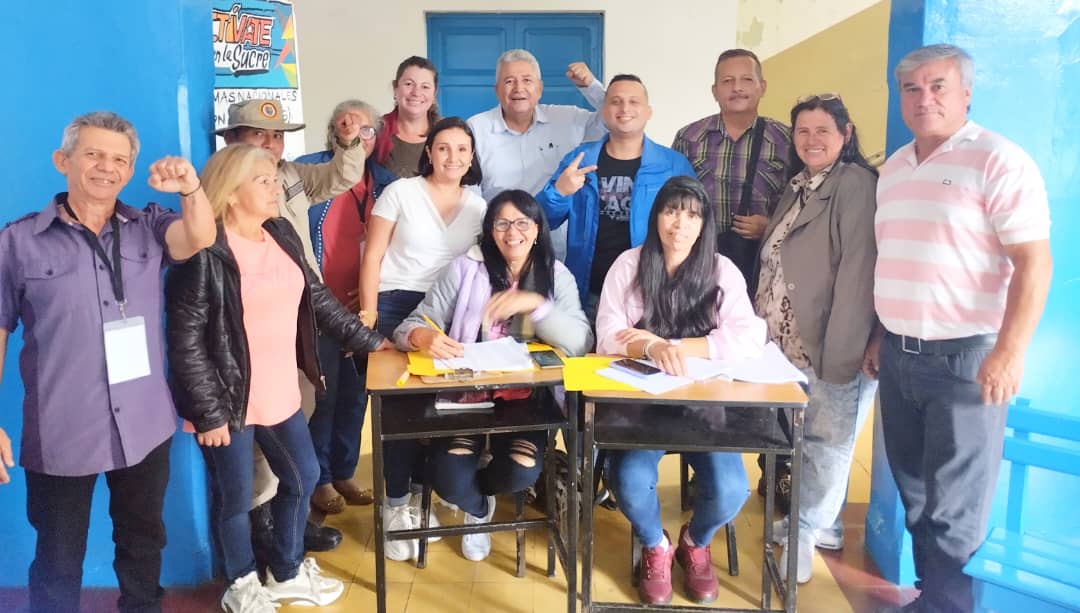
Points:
(353, 494)
(700, 579)
(654, 583)
(327, 500)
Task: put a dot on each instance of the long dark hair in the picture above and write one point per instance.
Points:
(683, 304)
(834, 106)
(538, 275)
(384, 141)
(424, 167)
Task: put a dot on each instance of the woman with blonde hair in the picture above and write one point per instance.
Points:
(241, 315)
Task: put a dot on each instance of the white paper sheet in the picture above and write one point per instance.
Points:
(504, 354)
(702, 369)
(771, 367)
(653, 384)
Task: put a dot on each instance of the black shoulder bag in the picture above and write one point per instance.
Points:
(743, 252)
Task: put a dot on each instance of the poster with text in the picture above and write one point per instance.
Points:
(255, 57)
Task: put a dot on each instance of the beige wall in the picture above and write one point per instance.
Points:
(350, 49)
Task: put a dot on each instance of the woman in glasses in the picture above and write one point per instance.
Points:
(672, 298)
(338, 232)
(511, 284)
(820, 240)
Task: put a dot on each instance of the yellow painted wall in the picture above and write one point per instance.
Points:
(849, 57)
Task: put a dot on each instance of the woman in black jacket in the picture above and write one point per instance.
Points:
(241, 316)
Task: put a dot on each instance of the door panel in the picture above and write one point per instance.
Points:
(465, 46)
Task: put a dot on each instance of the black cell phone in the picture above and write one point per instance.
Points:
(546, 359)
(633, 367)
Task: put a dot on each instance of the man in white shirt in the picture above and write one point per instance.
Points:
(520, 142)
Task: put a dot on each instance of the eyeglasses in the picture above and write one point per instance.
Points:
(822, 97)
(524, 224)
(367, 132)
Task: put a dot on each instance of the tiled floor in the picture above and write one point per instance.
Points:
(843, 581)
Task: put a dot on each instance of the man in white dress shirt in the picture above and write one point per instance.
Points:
(520, 142)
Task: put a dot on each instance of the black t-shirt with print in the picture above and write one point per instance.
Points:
(616, 178)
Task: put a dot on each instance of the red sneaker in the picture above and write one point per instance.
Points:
(654, 584)
(696, 562)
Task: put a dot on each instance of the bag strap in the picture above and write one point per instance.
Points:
(751, 165)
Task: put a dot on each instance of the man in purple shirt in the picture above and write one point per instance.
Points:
(84, 277)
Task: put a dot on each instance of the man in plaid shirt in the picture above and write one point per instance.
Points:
(719, 146)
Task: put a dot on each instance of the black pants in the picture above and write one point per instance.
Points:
(944, 449)
(59, 509)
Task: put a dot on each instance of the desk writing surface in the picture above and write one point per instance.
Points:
(384, 368)
(732, 393)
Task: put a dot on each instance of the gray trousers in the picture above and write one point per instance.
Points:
(944, 449)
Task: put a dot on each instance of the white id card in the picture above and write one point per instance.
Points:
(126, 354)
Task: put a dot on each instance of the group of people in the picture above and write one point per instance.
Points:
(534, 221)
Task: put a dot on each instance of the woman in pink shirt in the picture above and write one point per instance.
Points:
(673, 298)
(241, 315)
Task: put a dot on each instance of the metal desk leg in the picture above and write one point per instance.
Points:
(587, 507)
(770, 492)
(378, 487)
(797, 416)
(573, 499)
(549, 501)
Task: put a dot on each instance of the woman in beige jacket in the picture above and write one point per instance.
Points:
(816, 293)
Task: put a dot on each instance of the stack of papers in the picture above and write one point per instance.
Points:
(464, 402)
(504, 354)
(698, 369)
(772, 367)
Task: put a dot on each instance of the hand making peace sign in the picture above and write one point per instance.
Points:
(573, 177)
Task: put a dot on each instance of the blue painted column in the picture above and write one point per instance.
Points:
(151, 62)
(1027, 88)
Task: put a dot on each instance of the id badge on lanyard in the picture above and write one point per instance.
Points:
(127, 355)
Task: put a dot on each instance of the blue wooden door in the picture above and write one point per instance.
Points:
(465, 47)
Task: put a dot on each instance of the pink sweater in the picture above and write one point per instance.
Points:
(739, 334)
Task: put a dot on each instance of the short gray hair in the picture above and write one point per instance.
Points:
(99, 119)
(352, 104)
(517, 55)
(933, 53)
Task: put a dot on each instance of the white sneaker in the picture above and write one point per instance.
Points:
(477, 547)
(247, 595)
(831, 539)
(804, 566)
(402, 517)
(415, 501)
(308, 587)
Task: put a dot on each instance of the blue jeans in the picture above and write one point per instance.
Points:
(721, 490)
(833, 417)
(287, 447)
(339, 414)
(944, 449)
(403, 461)
(455, 476)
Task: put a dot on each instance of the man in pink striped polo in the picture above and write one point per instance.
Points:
(962, 275)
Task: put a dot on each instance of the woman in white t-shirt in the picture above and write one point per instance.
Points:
(417, 227)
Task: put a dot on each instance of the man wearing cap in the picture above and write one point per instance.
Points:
(83, 275)
(260, 122)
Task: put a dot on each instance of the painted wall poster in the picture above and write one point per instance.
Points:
(255, 56)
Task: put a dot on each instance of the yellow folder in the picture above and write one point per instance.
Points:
(579, 374)
(422, 365)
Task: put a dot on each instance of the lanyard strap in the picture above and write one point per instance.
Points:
(115, 273)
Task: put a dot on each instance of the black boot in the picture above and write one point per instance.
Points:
(262, 537)
(320, 538)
